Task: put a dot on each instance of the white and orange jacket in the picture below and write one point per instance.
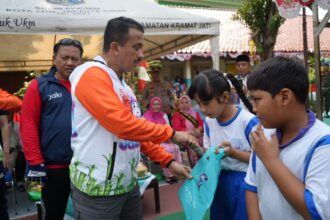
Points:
(107, 133)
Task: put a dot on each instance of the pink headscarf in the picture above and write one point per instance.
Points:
(155, 117)
(188, 110)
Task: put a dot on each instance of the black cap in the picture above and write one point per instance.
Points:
(243, 57)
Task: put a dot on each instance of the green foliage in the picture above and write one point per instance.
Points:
(264, 21)
(154, 64)
(20, 93)
(255, 13)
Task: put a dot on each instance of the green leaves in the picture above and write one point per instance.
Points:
(264, 21)
(20, 93)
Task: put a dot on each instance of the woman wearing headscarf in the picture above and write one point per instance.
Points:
(155, 115)
(178, 90)
(186, 119)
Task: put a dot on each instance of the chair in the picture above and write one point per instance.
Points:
(33, 194)
(10, 181)
(154, 184)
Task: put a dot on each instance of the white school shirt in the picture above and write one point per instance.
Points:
(237, 131)
(308, 158)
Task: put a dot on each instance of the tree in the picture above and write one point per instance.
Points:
(264, 21)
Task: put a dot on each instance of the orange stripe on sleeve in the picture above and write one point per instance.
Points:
(156, 153)
(9, 102)
(96, 93)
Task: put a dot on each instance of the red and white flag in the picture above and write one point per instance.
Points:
(143, 76)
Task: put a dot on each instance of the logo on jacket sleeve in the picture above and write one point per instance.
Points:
(55, 95)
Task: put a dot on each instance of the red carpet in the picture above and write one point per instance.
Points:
(169, 201)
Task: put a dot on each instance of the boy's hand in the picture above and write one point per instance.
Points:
(265, 150)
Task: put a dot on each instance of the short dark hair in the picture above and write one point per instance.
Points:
(208, 84)
(243, 57)
(278, 73)
(68, 42)
(117, 31)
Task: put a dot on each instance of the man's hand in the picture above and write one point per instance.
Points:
(37, 173)
(180, 171)
(196, 133)
(265, 150)
(187, 139)
(184, 138)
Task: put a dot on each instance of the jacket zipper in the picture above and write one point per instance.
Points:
(113, 157)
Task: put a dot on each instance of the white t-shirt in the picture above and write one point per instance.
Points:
(308, 158)
(237, 131)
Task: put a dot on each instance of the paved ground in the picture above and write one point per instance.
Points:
(23, 207)
(169, 203)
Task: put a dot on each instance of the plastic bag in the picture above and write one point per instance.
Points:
(197, 194)
(34, 190)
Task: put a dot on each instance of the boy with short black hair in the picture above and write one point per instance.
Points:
(288, 177)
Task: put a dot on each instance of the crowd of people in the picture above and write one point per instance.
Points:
(82, 132)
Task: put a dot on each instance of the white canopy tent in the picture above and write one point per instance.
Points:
(29, 28)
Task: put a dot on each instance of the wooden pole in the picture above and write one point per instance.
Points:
(319, 103)
(304, 27)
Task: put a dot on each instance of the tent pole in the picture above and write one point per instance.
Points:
(319, 103)
(214, 42)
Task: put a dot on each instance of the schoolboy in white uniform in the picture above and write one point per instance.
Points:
(288, 177)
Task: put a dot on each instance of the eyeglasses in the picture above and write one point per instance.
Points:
(68, 42)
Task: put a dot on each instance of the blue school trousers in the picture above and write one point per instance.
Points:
(229, 198)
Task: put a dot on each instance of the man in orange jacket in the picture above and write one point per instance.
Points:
(107, 133)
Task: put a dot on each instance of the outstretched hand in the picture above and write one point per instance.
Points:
(180, 171)
(184, 138)
(266, 150)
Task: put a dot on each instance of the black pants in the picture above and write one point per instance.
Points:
(20, 166)
(326, 99)
(56, 192)
(3, 200)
